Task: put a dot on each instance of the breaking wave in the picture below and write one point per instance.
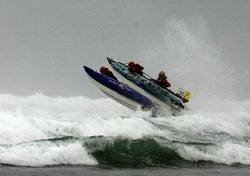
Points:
(39, 130)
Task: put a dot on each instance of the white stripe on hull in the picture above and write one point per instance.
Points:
(160, 104)
(117, 97)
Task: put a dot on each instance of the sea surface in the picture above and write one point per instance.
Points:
(97, 171)
(54, 135)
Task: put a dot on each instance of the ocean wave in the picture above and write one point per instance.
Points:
(39, 130)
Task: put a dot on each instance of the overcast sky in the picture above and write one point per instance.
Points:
(44, 43)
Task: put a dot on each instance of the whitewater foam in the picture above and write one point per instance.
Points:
(25, 120)
(45, 153)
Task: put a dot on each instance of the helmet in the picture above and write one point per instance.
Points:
(131, 63)
(103, 69)
(162, 73)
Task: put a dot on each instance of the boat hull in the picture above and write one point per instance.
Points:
(162, 98)
(119, 91)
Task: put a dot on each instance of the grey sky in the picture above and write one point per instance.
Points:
(43, 44)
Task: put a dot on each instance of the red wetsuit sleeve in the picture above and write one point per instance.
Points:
(166, 83)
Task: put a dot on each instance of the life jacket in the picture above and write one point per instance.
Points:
(162, 81)
(111, 75)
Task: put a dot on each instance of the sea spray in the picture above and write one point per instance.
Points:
(191, 60)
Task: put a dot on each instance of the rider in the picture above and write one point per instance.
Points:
(135, 68)
(104, 70)
(162, 80)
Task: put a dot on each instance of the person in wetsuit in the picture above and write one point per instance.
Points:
(162, 80)
(107, 72)
(135, 68)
